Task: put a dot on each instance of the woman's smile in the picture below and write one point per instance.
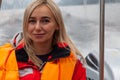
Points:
(39, 35)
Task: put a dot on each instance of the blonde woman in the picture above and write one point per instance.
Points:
(45, 52)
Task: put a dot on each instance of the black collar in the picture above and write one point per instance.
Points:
(57, 52)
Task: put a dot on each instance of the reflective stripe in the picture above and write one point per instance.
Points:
(25, 71)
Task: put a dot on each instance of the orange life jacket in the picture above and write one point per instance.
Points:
(61, 70)
(8, 64)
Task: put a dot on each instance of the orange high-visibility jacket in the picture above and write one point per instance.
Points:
(68, 68)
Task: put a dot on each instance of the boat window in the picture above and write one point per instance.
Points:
(14, 4)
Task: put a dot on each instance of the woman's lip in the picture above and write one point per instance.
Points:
(38, 34)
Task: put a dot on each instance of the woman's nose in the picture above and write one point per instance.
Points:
(38, 26)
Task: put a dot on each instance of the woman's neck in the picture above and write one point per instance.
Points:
(42, 49)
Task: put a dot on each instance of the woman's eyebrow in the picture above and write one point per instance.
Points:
(32, 18)
(45, 17)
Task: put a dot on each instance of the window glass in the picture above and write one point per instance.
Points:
(11, 15)
(112, 38)
(14, 4)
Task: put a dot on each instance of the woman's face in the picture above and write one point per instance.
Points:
(41, 25)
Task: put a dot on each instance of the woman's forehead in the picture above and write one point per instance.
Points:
(42, 11)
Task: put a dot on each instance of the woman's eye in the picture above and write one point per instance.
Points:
(45, 21)
(32, 21)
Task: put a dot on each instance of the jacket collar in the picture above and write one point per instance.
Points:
(60, 50)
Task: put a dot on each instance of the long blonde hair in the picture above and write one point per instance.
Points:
(59, 35)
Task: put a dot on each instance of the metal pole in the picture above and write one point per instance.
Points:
(0, 3)
(101, 57)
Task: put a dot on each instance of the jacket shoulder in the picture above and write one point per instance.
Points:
(79, 71)
(6, 46)
(5, 50)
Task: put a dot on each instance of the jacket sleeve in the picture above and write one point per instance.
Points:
(79, 72)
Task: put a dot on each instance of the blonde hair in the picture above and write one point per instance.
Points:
(59, 35)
